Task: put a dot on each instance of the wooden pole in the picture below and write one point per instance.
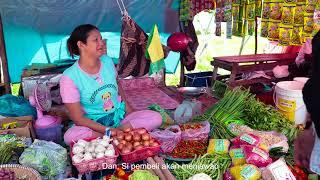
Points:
(4, 62)
(256, 34)
(182, 80)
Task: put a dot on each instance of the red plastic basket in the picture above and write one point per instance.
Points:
(95, 164)
(141, 154)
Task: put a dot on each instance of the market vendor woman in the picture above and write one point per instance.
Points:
(89, 88)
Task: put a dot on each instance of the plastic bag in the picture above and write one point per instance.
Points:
(245, 172)
(277, 170)
(168, 138)
(285, 34)
(48, 158)
(14, 106)
(199, 133)
(256, 156)
(237, 156)
(273, 139)
(238, 129)
(220, 146)
(273, 30)
(246, 138)
(185, 111)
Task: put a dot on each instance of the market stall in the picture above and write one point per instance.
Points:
(236, 137)
(218, 132)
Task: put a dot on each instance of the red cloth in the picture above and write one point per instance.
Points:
(292, 49)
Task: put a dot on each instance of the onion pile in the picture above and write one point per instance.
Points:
(130, 140)
(6, 174)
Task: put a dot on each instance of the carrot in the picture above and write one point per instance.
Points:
(164, 168)
(157, 171)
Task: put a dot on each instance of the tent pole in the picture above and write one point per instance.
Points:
(182, 72)
(3, 61)
(256, 35)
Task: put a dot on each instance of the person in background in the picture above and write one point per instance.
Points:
(89, 89)
(307, 144)
(302, 67)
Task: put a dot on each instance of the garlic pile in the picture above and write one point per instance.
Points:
(97, 148)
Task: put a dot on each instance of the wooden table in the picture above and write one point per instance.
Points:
(249, 63)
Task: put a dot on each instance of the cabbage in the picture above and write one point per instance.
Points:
(142, 175)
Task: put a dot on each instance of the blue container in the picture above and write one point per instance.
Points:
(52, 133)
(201, 79)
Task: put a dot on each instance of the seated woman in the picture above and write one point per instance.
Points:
(89, 89)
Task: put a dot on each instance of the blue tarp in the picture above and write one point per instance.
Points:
(36, 31)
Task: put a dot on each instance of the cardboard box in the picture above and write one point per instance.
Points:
(24, 129)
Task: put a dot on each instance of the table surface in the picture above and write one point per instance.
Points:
(255, 58)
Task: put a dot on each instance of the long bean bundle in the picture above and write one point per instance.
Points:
(231, 106)
(6, 150)
(213, 165)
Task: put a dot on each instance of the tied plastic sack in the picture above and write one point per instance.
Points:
(186, 110)
(168, 138)
(219, 146)
(197, 134)
(48, 158)
(256, 156)
(246, 139)
(237, 156)
(277, 170)
(245, 172)
(272, 139)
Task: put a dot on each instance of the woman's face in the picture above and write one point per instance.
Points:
(96, 46)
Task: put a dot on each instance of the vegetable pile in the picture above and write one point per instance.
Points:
(7, 151)
(130, 140)
(260, 116)
(194, 137)
(213, 165)
(189, 149)
(6, 174)
(97, 148)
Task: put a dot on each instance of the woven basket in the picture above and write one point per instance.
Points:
(22, 172)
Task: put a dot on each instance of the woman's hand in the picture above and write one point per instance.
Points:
(303, 146)
(114, 131)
